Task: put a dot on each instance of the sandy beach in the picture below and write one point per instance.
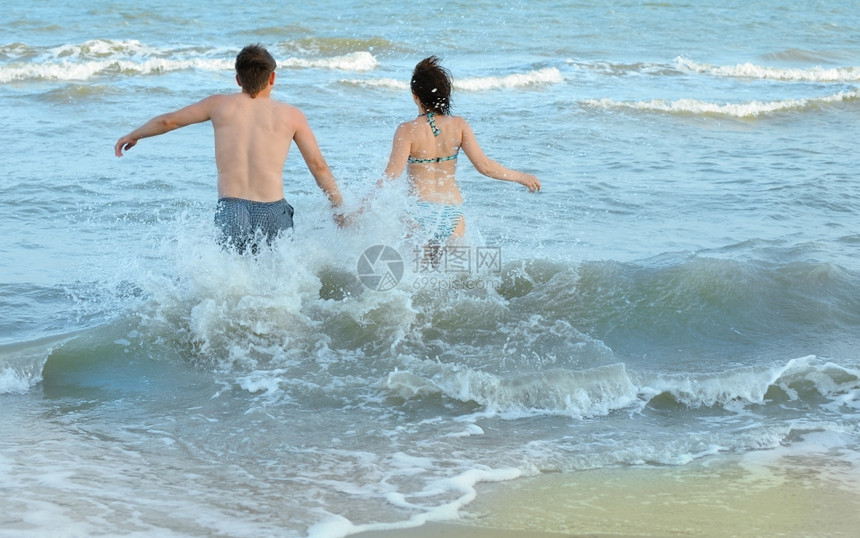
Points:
(794, 496)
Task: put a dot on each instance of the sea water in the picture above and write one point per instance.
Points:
(685, 286)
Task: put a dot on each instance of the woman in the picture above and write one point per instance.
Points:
(428, 148)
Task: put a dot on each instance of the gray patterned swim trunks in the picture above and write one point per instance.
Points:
(242, 224)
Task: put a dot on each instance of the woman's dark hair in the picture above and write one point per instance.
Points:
(431, 83)
(254, 64)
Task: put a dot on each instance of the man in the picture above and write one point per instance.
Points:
(253, 134)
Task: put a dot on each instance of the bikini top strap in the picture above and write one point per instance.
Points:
(432, 121)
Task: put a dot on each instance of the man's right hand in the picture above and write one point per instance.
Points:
(125, 143)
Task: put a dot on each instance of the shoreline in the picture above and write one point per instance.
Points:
(771, 495)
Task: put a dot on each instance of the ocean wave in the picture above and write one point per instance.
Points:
(386, 83)
(354, 61)
(540, 77)
(590, 392)
(749, 70)
(98, 57)
(804, 379)
(333, 46)
(91, 49)
(15, 50)
(625, 69)
(21, 363)
(83, 61)
(531, 342)
(602, 390)
(66, 70)
(77, 91)
(750, 109)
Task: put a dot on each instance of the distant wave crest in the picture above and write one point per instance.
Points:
(354, 61)
(750, 109)
(548, 75)
(749, 70)
(539, 77)
(84, 61)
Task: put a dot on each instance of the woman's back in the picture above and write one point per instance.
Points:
(434, 145)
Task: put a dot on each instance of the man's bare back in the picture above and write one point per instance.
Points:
(252, 141)
(253, 134)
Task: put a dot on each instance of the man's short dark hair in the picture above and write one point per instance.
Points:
(254, 64)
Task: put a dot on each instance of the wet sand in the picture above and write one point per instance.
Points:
(793, 496)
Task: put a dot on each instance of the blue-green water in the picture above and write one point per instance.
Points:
(685, 286)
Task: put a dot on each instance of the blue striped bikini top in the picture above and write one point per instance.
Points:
(432, 121)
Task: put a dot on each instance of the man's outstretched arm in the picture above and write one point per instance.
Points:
(196, 113)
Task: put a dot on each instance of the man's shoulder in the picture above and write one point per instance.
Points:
(221, 96)
(218, 100)
(289, 114)
(284, 106)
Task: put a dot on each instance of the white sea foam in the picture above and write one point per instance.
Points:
(101, 48)
(599, 391)
(93, 58)
(389, 83)
(91, 49)
(12, 381)
(464, 484)
(540, 77)
(750, 109)
(354, 61)
(830, 451)
(547, 75)
(70, 70)
(593, 392)
(749, 70)
(751, 384)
